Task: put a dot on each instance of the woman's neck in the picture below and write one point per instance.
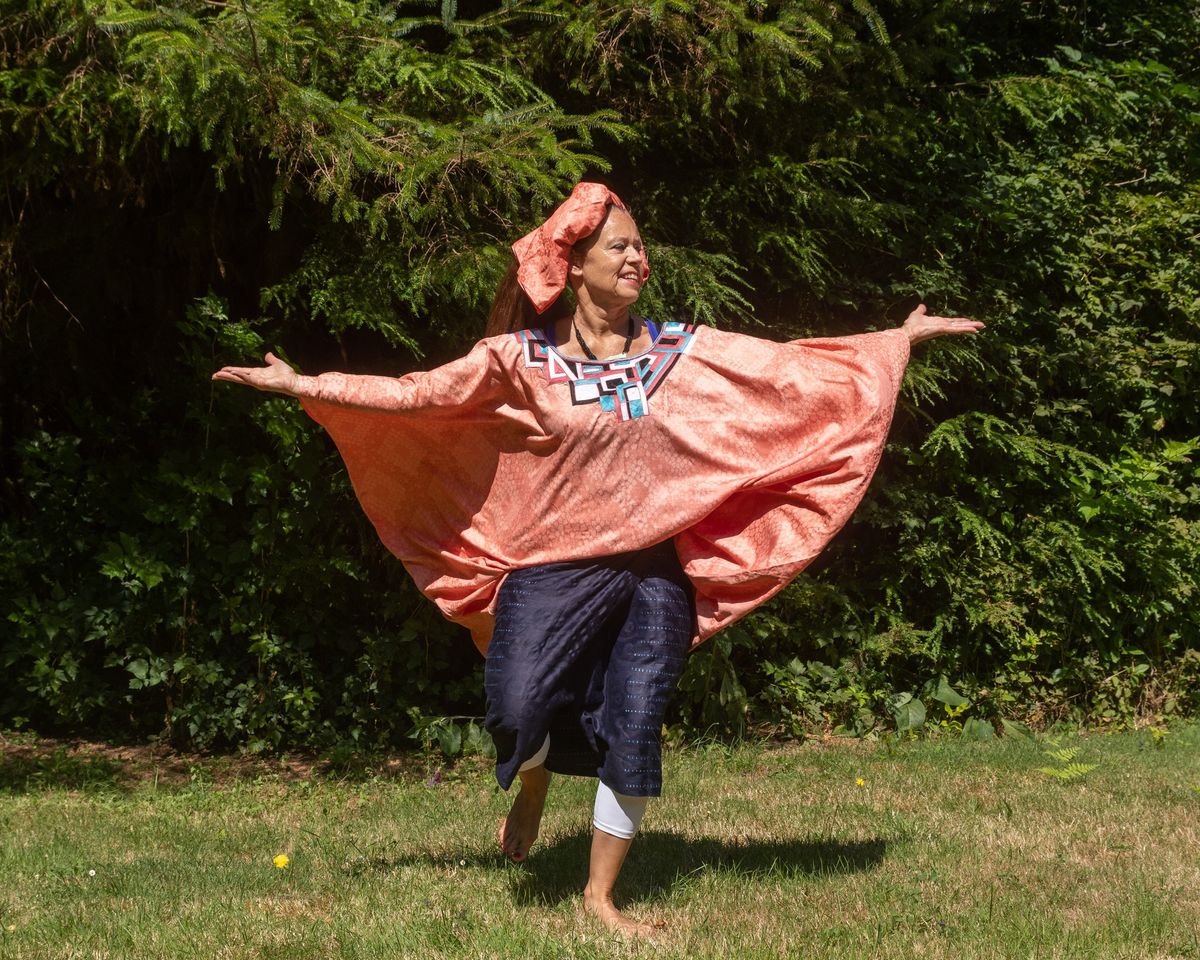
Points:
(607, 333)
(600, 323)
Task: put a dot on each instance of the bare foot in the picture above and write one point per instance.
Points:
(520, 828)
(603, 909)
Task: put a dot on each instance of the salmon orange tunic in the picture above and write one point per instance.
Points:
(749, 454)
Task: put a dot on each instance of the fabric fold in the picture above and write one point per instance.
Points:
(749, 454)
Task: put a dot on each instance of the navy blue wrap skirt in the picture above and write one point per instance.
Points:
(590, 653)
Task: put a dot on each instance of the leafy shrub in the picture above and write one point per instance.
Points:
(189, 185)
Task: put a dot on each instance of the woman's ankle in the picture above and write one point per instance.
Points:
(535, 779)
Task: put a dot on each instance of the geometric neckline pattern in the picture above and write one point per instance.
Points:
(621, 385)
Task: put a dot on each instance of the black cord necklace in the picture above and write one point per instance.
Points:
(587, 350)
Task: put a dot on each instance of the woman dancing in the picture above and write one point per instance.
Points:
(592, 494)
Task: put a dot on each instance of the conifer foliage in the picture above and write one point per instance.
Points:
(187, 185)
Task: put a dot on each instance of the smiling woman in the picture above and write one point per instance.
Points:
(593, 494)
(610, 268)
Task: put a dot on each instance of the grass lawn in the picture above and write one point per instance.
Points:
(945, 849)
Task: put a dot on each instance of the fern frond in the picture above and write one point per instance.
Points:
(1073, 771)
(133, 21)
(1065, 755)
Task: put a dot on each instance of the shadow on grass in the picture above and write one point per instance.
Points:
(20, 773)
(660, 861)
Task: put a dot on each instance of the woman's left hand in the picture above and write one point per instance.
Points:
(274, 376)
(921, 326)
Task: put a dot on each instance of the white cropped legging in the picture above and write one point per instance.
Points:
(613, 812)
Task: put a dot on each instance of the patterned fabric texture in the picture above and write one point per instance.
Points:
(749, 454)
(589, 652)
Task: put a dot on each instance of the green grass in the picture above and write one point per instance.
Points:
(947, 849)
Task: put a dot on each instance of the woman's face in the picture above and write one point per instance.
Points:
(611, 263)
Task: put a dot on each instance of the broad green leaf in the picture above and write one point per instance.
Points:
(946, 694)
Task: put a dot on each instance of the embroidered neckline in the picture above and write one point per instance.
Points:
(621, 385)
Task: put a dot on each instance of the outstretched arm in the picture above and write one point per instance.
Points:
(467, 382)
(921, 326)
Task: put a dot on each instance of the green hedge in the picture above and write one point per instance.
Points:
(188, 185)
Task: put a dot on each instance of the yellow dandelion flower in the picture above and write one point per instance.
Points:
(11, 928)
(281, 861)
(860, 782)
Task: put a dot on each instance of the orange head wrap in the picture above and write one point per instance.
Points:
(544, 254)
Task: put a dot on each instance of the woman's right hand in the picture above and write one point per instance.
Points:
(276, 376)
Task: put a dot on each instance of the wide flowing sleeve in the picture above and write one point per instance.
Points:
(750, 454)
(803, 426)
(422, 452)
